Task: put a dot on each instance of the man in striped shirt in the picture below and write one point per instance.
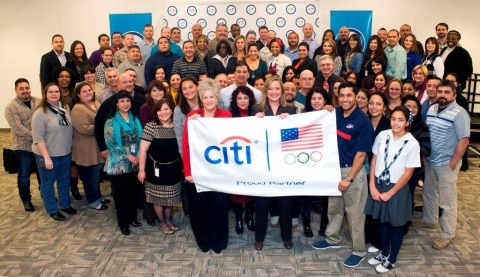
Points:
(190, 64)
(449, 126)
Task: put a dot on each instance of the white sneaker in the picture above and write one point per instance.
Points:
(373, 249)
(294, 222)
(377, 259)
(384, 267)
(274, 220)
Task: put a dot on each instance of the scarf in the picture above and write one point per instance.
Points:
(60, 112)
(133, 125)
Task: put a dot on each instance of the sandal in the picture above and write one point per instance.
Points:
(164, 228)
(172, 226)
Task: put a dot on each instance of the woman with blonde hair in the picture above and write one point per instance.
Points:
(240, 48)
(419, 75)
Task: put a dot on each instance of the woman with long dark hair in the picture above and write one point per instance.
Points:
(77, 59)
(354, 56)
(374, 52)
(413, 55)
(304, 62)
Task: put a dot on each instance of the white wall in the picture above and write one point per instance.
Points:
(28, 25)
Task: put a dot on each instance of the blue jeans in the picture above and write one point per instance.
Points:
(25, 161)
(59, 173)
(90, 176)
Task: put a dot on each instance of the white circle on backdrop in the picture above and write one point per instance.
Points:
(288, 33)
(165, 22)
(202, 22)
(189, 36)
(316, 22)
(221, 21)
(241, 22)
(310, 9)
(182, 23)
(231, 10)
(211, 10)
(271, 9)
(172, 11)
(281, 22)
(251, 9)
(300, 22)
(261, 22)
(211, 35)
(192, 10)
(136, 35)
(291, 9)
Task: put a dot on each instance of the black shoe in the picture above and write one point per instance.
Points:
(250, 222)
(125, 231)
(323, 227)
(239, 225)
(151, 221)
(136, 224)
(102, 207)
(70, 211)
(288, 244)
(28, 206)
(105, 201)
(58, 216)
(74, 188)
(258, 245)
(306, 229)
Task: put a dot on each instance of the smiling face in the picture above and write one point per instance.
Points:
(58, 44)
(431, 88)
(307, 30)
(86, 94)
(222, 51)
(302, 52)
(242, 101)
(165, 114)
(292, 40)
(327, 48)
(202, 44)
(274, 92)
(289, 75)
(430, 46)
(326, 67)
(373, 45)
(189, 90)
(89, 76)
(418, 76)
(376, 106)
(79, 50)
(352, 78)
(394, 90)
(275, 48)
(160, 74)
(148, 32)
(64, 79)
(376, 67)
(258, 84)
(382, 34)
(112, 78)
(393, 38)
(157, 94)
(134, 54)
(352, 43)
(253, 52)
(441, 31)
(379, 81)
(117, 39)
(23, 91)
(412, 105)
(290, 91)
(53, 95)
(452, 40)
(408, 43)
(408, 89)
(347, 99)
(209, 101)
(317, 102)
(398, 122)
(188, 49)
(176, 35)
(107, 56)
(124, 105)
(175, 81)
(362, 100)
(263, 34)
(222, 80)
(241, 75)
(221, 32)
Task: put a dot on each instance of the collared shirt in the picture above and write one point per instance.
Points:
(292, 54)
(226, 94)
(96, 57)
(186, 68)
(19, 117)
(313, 45)
(146, 49)
(105, 94)
(174, 48)
(100, 73)
(396, 62)
(61, 57)
(120, 56)
(446, 129)
(300, 98)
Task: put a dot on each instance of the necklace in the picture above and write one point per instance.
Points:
(193, 106)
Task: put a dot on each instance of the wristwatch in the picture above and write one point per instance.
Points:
(349, 179)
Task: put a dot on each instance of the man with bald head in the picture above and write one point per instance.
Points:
(125, 82)
(308, 38)
(326, 79)
(174, 48)
(306, 83)
(221, 32)
(197, 31)
(342, 43)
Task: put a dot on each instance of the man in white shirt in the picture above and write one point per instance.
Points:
(52, 59)
(177, 36)
(241, 77)
(308, 38)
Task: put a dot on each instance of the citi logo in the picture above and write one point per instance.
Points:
(239, 150)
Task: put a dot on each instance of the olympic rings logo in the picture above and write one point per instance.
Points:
(303, 159)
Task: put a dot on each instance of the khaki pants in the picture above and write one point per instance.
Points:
(440, 188)
(353, 202)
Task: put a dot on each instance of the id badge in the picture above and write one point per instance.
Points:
(157, 172)
(133, 147)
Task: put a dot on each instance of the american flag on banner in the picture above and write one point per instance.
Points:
(306, 137)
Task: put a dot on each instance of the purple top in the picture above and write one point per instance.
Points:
(96, 58)
(145, 114)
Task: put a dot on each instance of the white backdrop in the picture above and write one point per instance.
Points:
(282, 18)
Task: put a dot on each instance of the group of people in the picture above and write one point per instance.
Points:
(126, 110)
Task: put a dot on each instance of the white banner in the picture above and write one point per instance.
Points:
(266, 156)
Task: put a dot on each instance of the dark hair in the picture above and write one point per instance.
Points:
(381, 95)
(56, 35)
(456, 33)
(382, 29)
(253, 44)
(348, 73)
(378, 52)
(121, 94)
(154, 84)
(381, 60)
(233, 107)
(234, 25)
(158, 106)
(358, 48)
(414, 44)
(87, 68)
(133, 47)
(174, 29)
(365, 91)
(103, 49)
(433, 40)
(59, 69)
(285, 71)
(328, 31)
(101, 36)
(74, 58)
(405, 112)
(188, 41)
(117, 32)
(260, 77)
(442, 24)
(76, 93)
(165, 38)
(303, 43)
(308, 102)
(449, 73)
(147, 25)
(348, 85)
(227, 45)
(250, 32)
(262, 28)
(448, 83)
(21, 80)
(182, 101)
(280, 44)
(43, 101)
(418, 116)
(241, 63)
(154, 73)
(384, 77)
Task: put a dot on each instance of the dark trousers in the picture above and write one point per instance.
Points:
(261, 217)
(125, 186)
(209, 218)
(392, 238)
(25, 162)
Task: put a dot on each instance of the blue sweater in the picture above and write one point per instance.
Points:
(166, 60)
(413, 59)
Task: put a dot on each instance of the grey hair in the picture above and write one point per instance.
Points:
(208, 85)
